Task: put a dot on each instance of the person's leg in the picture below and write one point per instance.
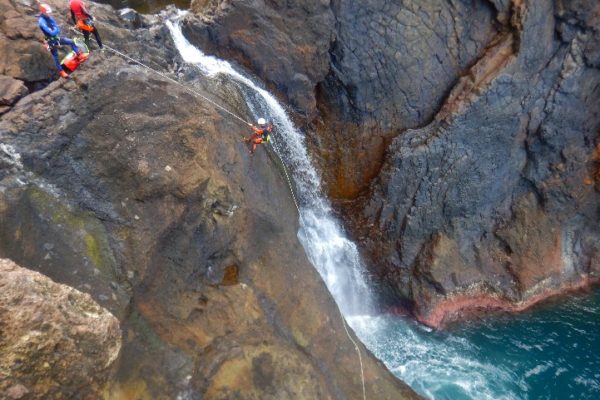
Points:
(97, 36)
(86, 38)
(54, 52)
(255, 143)
(69, 42)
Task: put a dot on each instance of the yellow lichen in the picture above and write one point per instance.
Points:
(92, 249)
(232, 375)
(78, 224)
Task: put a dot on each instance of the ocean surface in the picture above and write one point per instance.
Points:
(551, 351)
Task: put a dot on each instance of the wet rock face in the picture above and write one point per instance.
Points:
(392, 64)
(131, 189)
(56, 342)
(284, 42)
(360, 71)
(493, 188)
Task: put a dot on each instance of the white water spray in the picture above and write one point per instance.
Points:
(333, 255)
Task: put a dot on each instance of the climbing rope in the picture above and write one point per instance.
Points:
(176, 82)
(289, 182)
(344, 323)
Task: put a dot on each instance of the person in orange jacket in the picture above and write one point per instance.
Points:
(84, 22)
(262, 132)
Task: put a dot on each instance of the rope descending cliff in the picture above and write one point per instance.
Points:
(289, 182)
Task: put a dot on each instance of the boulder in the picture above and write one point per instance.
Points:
(12, 90)
(56, 341)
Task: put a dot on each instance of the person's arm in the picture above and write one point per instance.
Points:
(51, 29)
(85, 12)
(73, 18)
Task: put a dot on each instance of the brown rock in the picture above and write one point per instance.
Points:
(17, 391)
(56, 342)
(11, 90)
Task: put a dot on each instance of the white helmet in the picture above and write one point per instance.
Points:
(261, 121)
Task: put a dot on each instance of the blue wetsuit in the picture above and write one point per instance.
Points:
(51, 30)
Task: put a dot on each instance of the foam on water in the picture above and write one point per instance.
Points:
(435, 365)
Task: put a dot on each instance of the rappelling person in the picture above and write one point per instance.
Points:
(52, 36)
(262, 134)
(84, 22)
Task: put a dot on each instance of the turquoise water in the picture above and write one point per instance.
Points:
(549, 352)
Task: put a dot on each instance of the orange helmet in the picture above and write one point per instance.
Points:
(45, 9)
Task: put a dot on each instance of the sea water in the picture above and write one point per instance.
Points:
(551, 351)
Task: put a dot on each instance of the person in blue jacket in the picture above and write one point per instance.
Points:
(52, 35)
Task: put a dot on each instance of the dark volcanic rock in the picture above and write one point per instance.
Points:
(498, 196)
(11, 90)
(374, 67)
(285, 42)
(131, 189)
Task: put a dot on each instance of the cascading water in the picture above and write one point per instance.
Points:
(513, 358)
(335, 257)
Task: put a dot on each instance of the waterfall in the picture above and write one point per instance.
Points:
(485, 361)
(334, 256)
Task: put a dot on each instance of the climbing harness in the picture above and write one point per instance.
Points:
(289, 182)
(86, 25)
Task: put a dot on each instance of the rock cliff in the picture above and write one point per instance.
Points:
(56, 342)
(129, 188)
(462, 137)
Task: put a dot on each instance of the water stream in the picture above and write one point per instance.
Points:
(536, 355)
(333, 255)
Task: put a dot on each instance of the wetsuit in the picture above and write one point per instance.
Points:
(260, 135)
(52, 33)
(83, 20)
